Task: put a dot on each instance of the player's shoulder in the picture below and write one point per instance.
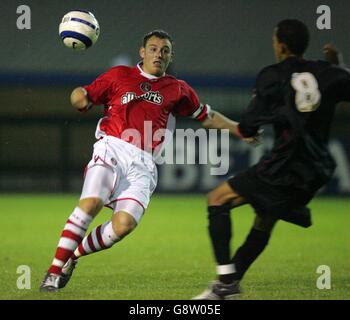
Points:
(334, 68)
(318, 66)
(185, 88)
(183, 84)
(270, 69)
(120, 70)
(268, 79)
(321, 63)
(269, 73)
(174, 79)
(330, 72)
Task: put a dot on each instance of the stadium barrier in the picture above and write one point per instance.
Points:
(60, 148)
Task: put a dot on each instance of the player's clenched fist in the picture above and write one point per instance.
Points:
(80, 100)
(332, 54)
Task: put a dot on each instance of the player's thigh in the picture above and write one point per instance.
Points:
(133, 193)
(99, 182)
(134, 208)
(224, 194)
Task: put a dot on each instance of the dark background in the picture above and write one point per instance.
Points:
(219, 48)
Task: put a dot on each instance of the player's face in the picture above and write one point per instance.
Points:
(156, 56)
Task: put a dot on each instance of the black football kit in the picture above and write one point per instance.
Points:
(298, 98)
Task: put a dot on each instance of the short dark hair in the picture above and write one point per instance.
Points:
(157, 33)
(294, 34)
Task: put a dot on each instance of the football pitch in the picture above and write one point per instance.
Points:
(168, 256)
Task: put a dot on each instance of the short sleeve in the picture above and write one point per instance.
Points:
(98, 90)
(188, 104)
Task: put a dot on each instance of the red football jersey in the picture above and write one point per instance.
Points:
(138, 102)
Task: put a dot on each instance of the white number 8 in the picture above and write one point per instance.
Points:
(307, 95)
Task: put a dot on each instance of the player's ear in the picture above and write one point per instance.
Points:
(142, 52)
(284, 48)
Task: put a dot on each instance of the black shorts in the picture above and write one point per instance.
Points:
(267, 199)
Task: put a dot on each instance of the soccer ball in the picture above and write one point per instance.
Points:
(79, 29)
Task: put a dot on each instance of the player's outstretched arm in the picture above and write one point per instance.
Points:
(79, 99)
(216, 120)
(333, 55)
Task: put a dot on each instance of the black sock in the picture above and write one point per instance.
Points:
(220, 232)
(247, 253)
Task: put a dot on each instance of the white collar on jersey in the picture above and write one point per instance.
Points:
(146, 75)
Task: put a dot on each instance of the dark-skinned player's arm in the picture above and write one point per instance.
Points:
(335, 57)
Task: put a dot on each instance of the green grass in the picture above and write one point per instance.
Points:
(169, 255)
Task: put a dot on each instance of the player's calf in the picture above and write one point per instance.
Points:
(100, 238)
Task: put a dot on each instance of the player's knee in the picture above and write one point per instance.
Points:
(123, 224)
(91, 206)
(222, 195)
(213, 198)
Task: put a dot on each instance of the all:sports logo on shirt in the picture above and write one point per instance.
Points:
(150, 96)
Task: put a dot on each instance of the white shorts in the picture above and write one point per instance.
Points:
(122, 175)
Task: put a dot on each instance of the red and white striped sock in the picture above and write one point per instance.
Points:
(73, 232)
(100, 238)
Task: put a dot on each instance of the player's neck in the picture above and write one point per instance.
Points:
(144, 73)
(290, 55)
